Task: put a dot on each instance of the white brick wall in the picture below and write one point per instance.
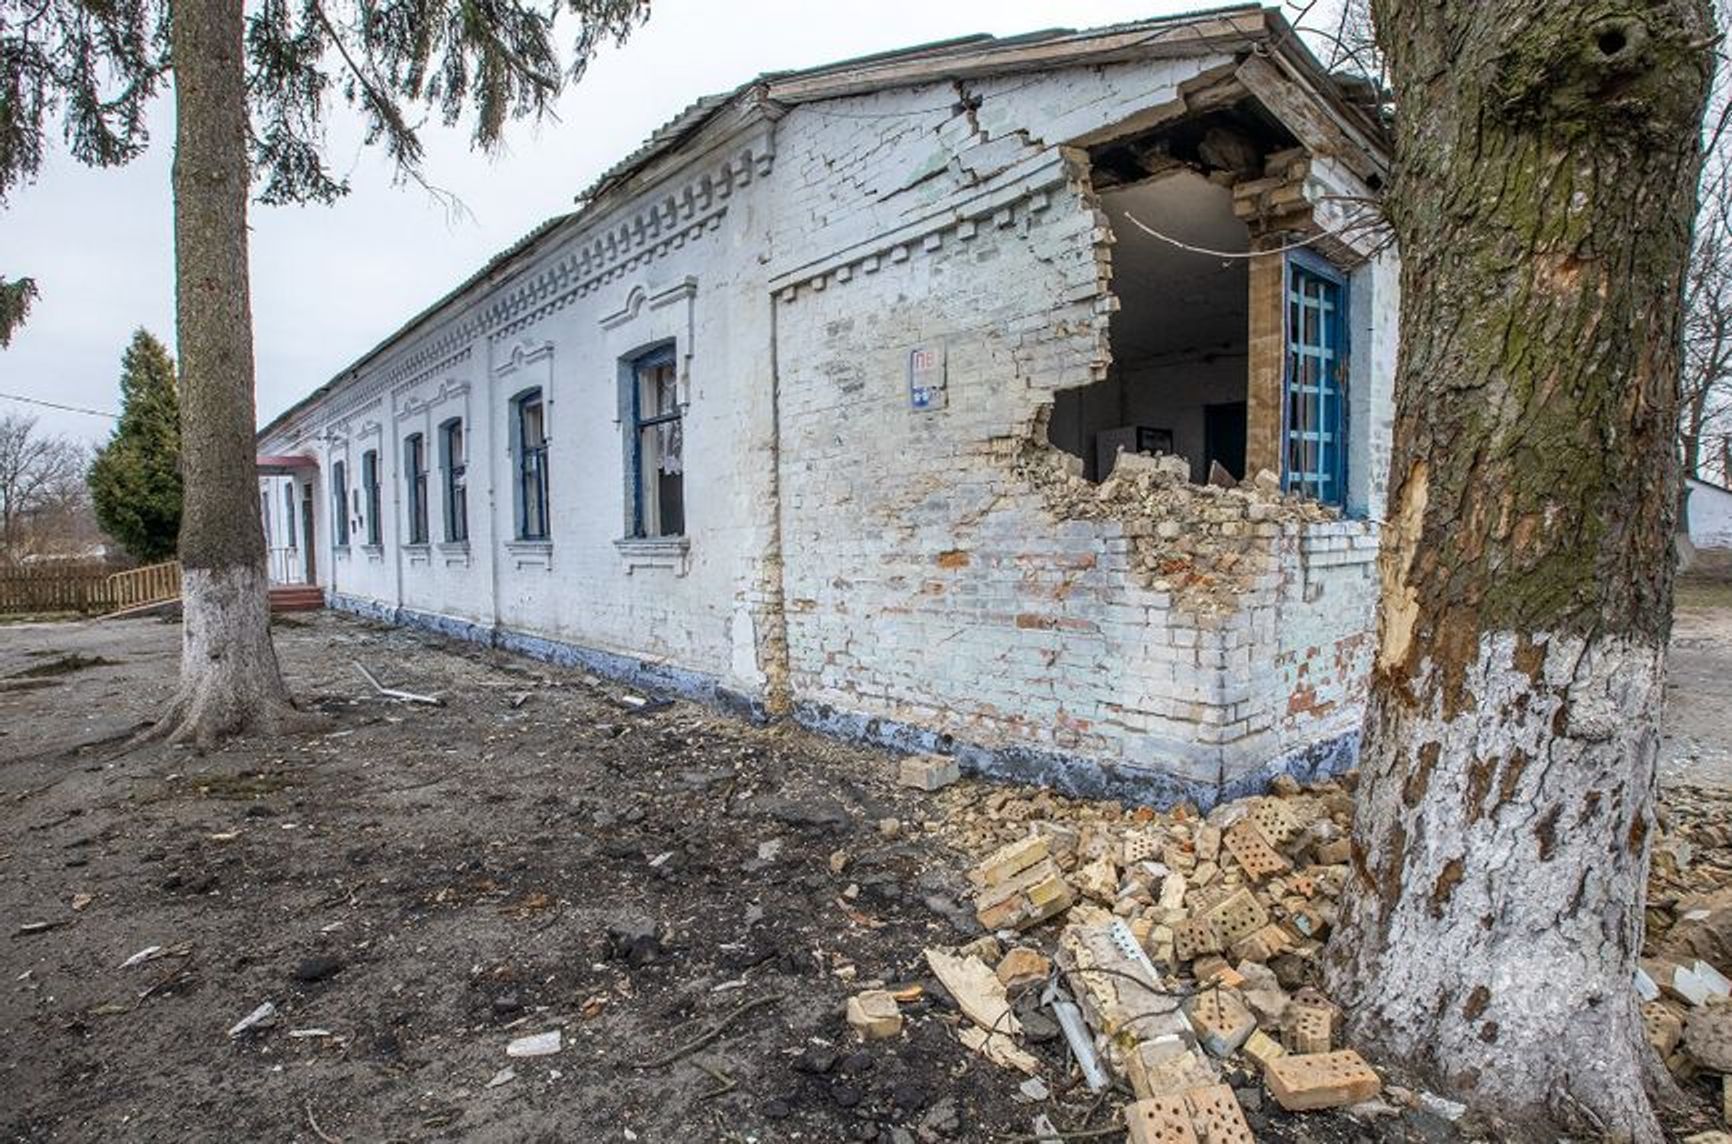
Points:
(847, 552)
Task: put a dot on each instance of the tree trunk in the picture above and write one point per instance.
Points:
(1547, 156)
(229, 676)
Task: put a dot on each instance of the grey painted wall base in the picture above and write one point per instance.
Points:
(1078, 776)
(1081, 776)
(657, 677)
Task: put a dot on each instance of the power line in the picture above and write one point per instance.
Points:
(57, 405)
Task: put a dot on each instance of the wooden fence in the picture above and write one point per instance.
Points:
(152, 584)
(89, 589)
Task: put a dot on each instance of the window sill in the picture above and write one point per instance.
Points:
(417, 553)
(375, 553)
(671, 552)
(531, 553)
(455, 553)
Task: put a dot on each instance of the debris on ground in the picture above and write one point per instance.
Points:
(264, 1015)
(535, 1045)
(691, 903)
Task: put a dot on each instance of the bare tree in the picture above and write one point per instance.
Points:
(41, 476)
(1705, 398)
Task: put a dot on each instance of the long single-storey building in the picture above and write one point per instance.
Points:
(1021, 398)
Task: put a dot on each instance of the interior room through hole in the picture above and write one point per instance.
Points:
(1179, 339)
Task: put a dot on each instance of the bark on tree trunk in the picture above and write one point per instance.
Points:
(1547, 157)
(229, 676)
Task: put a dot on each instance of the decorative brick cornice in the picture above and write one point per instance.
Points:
(1008, 203)
(679, 210)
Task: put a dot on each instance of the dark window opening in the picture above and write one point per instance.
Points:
(415, 478)
(339, 504)
(529, 418)
(370, 496)
(1180, 339)
(289, 513)
(657, 446)
(456, 490)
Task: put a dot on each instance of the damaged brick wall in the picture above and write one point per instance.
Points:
(947, 576)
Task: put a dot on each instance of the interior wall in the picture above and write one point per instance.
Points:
(1180, 336)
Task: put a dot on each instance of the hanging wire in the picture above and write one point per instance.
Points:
(57, 405)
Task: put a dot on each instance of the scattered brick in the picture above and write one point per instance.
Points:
(874, 1015)
(1300, 1082)
(1216, 1111)
(1036, 894)
(1252, 851)
(1221, 1021)
(1160, 1120)
(1008, 861)
(1238, 917)
(928, 772)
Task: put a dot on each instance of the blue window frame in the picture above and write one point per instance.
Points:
(339, 504)
(456, 467)
(1314, 409)
(656, 446)
(415, 476)
(370, 496)
(529, 428)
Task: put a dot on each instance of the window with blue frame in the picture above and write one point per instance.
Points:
(370, 497)
(656, 448)
(1314, 427)
(455, 464)
(339, 504)
(415, 479)
(529, 430)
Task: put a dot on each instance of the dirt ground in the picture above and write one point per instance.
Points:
(1698, 744)
(416, 887)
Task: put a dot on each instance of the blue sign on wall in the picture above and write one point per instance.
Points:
(926, 378)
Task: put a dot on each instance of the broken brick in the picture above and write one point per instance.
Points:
(1164, 1065)
(1300, 1082)
(1036, 894)
(1215, 1109)
(1008, 861)
(1221, 1021)
(1194, 937)
(928, 772)
(1160, 1120)
(1663, 1027)
(1252, 851)
(1239, 916)
(874, 1015)
(1310, 1028)
(1022, 968)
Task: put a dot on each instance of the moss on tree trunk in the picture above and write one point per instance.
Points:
(1547, 158)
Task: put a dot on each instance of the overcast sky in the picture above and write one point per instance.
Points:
(331, 282)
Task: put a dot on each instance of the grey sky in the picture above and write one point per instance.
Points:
(330, 282)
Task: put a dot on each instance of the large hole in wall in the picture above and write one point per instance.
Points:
(1180, 339)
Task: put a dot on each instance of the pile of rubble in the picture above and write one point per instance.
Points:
(1196, 541)
(1177, 952)
(1686, 998)
(1185, 949)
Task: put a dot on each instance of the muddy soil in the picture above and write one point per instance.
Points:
(416, 887)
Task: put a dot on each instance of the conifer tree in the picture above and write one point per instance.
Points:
(135, 479)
